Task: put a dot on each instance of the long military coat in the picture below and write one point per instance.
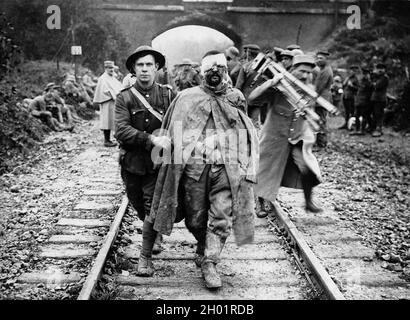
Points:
(192, 108)
(281, 131)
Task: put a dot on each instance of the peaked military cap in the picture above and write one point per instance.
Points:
(108, 64)
(252, 47)
(142, 51)
(286, 53)
(232, 51)
(297, 52)
(293, 47)
(304, 59)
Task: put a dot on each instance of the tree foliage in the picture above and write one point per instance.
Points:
(81, 24)
(10, 53)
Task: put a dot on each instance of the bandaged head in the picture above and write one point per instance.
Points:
(213, 67)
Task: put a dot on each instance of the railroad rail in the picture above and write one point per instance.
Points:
(296, 255)
(178, 276)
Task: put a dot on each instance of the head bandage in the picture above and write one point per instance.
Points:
(209, 61)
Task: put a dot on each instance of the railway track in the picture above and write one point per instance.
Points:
(278, 265)
(92, 249)
(68, 247)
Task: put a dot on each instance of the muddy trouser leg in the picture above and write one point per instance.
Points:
(307, 175)
(219, 213)
(148, 239)
(196, 207)
(140, 191)
(322, 134)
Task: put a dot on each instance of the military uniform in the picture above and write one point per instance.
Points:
(362, 104)
(323, 84)
(350, 87)
(133, 125)
(379, 101)
(286, 141)
(246, 84)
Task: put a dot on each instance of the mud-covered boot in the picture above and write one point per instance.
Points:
(307, 190)
(199, 254)
(145, 267)
(211, 276)
(261, 211)
(157, 248)
(310, 206)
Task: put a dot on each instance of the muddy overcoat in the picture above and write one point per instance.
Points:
(281, 130)
(191, 109)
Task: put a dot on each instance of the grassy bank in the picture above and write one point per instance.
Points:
(21, 133)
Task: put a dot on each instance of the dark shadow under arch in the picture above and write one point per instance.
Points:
(204, 20)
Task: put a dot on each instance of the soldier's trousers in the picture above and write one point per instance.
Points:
(208, 209)
(349, 108)
(140, 191)
(321, 138)
(363, 110)
(378, 114)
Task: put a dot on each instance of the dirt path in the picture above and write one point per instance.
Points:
(363, 237)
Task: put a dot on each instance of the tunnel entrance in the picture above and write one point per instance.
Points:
(190, 41)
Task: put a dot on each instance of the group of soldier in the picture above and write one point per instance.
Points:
(209, 144)
(56, 105)
(363, 95)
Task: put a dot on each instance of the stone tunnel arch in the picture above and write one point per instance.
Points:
(204, 20)
(175, 40)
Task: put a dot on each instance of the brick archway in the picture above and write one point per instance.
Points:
(204, 20)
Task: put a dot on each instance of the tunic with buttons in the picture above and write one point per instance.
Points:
(282, 130)
(134, 124)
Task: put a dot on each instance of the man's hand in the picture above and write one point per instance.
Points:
(163, 142)
(275, 80)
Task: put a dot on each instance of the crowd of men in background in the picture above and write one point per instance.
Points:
(360, 95)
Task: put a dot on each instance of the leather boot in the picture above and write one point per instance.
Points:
(211, 276)
(145, 267)
(307, 190)
(157, 248)
(199, 254)
(262, 211)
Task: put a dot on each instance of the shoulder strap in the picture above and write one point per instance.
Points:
(141, 98)
(166, 94)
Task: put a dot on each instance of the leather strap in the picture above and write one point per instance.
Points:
(146, 104)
